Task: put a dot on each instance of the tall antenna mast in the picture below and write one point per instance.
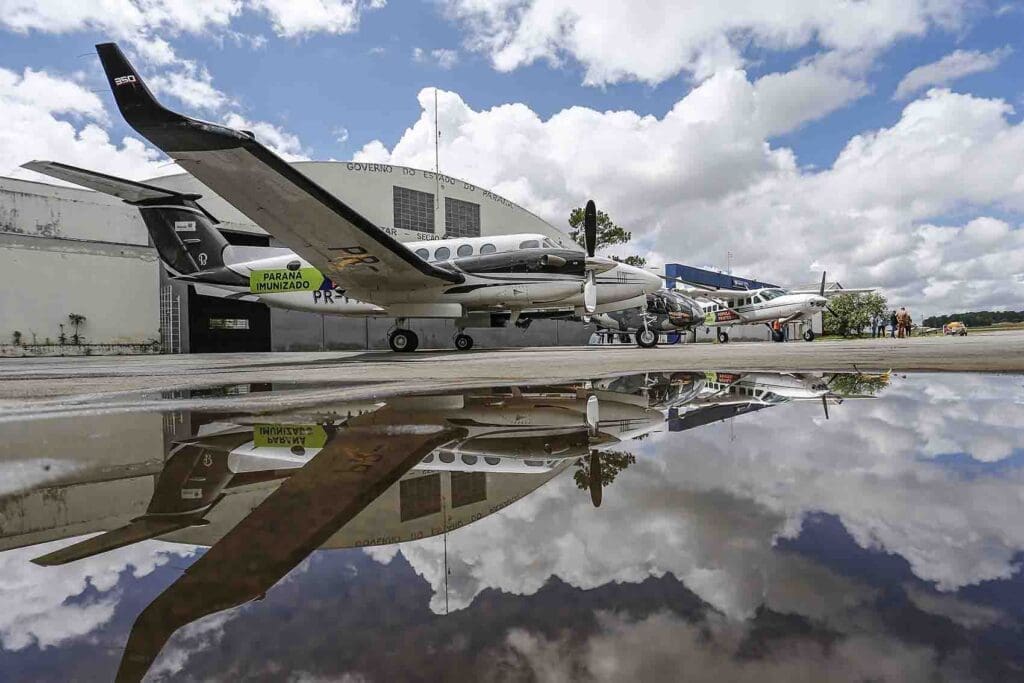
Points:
(437, 167)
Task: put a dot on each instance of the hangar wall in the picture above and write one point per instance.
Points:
(63, 251)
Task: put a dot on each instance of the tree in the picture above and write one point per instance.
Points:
(612, 462)
(76, 320)
(850, 313)
(608, 234)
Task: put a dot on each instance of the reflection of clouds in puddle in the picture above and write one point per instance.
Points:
(707, 504)
(204, 634)
(664, 647)
(36, 608)
(24, 475)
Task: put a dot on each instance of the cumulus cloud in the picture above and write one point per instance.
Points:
(293, 18)
(653, 41)
(653, 647)
(285, 144)
(948, 69)
(443, 57)
(704, 179)
(710, 506)
(42, 613)
(52, 117)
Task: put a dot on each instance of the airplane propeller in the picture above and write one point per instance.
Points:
(596, 485)
(821, 292)
(824, 404)
(590, 238)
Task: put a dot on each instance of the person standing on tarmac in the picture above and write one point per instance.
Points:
(894, 322)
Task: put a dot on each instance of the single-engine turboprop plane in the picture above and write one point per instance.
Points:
(727, 307)
(335, 250)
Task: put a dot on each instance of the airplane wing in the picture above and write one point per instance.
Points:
(341, 243)
(835, 292)
(128, 190)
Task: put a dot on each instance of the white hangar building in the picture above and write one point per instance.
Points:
(67, 252)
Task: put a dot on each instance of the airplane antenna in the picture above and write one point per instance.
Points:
(437, 164)
(444, 524)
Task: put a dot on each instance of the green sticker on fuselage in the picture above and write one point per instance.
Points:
(284, 280)
(288, 436)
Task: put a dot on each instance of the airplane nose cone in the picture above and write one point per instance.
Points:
(819, 302)
(651, 281)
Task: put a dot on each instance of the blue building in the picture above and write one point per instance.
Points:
(710, 278)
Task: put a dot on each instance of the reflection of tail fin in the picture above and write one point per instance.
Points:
(182, 232)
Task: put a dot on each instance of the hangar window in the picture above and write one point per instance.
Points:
(529, 244)
(442, 254)
(461, 219)
(229, 323)
(423, 254)
(464, 250)
(468, 488)
(419, 497)
(414, 210)
(488, 249)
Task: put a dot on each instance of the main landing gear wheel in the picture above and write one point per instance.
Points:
(646, 339)
(809, 335)
(463, 342)
(723, 337)
(403, 341)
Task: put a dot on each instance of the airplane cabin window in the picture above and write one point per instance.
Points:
(488, 249)
(447, 457)
(529, 244)
(492, 461)
(469, 459)
(442, 254)
(423, 254)
(464, 250)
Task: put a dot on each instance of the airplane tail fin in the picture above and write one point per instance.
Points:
(182, 231)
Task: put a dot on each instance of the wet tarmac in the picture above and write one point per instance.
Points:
(669, 525)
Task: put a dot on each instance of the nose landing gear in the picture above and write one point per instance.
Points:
(646, 339)
(463, 342)
(809, 335)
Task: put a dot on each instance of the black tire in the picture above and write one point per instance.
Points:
(809, 335)
(463, 342)
(646, 339)
(403, 341)
(723, 337)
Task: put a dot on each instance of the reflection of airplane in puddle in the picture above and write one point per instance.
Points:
(265, 494)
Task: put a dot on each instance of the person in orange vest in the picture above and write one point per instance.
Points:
(777, 331)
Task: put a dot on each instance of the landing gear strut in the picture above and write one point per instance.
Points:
(723, 337)
(403, 341)
(809, 335)
(463, 342)
(646, 339)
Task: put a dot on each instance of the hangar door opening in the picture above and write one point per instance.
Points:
(219, 325)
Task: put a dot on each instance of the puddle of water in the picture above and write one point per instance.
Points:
(733, 525)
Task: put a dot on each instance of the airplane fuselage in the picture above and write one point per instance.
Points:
(518, 277)
(761, 306)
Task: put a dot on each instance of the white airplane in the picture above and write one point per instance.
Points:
(334, 248)
(727, 307)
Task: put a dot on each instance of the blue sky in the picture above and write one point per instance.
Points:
(367, 81)
(767, 96)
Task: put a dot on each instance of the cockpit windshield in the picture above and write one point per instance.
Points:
(550, 243)
(770, 294)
